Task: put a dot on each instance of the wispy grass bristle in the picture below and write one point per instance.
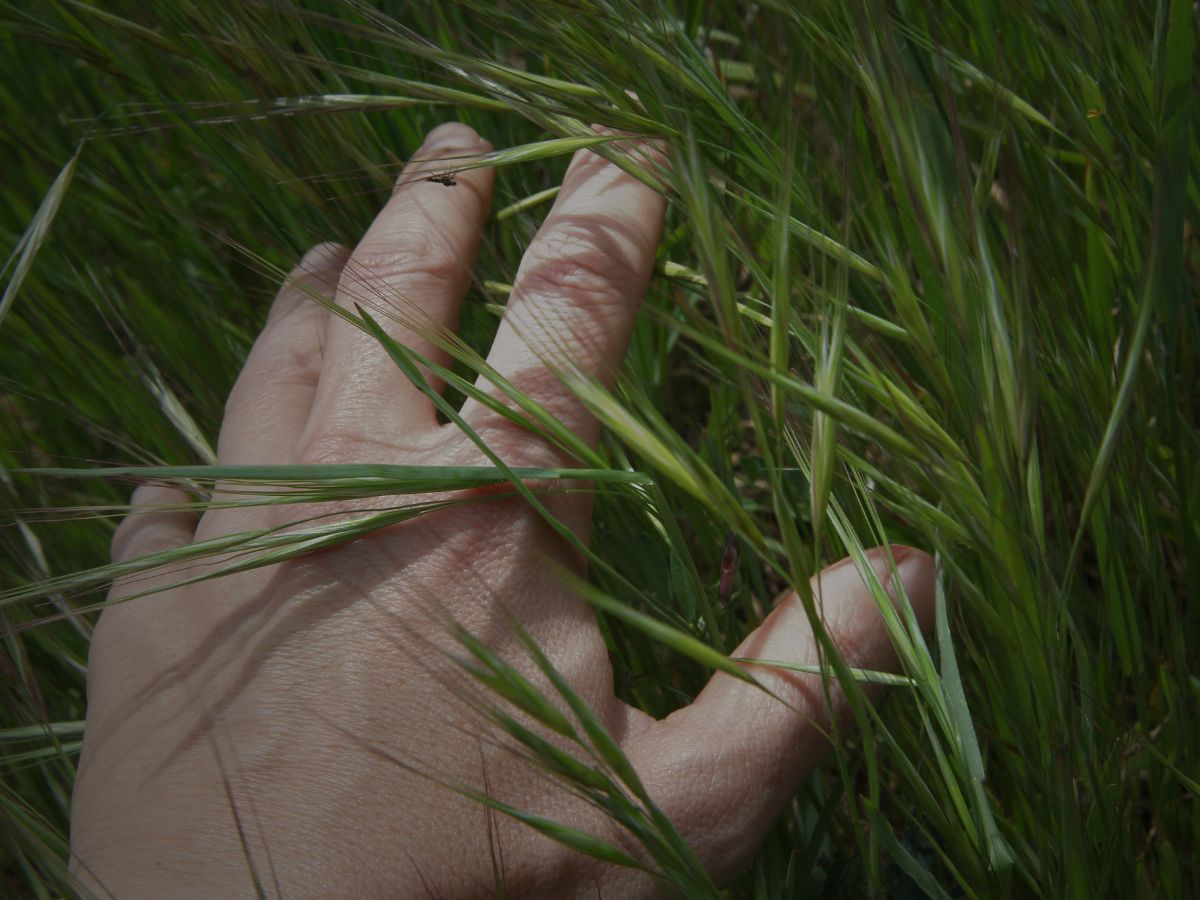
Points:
(928, 277)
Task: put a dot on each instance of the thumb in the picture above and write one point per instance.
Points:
(723, 768)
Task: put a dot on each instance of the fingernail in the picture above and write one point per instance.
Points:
(918, 574)
(452, 136)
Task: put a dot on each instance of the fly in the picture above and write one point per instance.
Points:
(446, 179)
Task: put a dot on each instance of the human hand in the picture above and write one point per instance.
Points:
(219, 712)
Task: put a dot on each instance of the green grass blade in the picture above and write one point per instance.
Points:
(35, 235)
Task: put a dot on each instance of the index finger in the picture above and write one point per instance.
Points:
(410, 270)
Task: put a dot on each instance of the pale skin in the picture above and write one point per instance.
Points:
(254, 722)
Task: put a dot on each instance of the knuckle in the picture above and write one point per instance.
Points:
(287, 350)
(572, 262)
(411, 253)
(543, 385)
(343, 440)
(327, 446)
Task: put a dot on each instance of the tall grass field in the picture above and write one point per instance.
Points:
(929, 276)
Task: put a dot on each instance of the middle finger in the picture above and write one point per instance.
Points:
(578, 289)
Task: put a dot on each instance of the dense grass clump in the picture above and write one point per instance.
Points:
(929, 276)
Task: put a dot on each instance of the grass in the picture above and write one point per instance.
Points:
(929, 275)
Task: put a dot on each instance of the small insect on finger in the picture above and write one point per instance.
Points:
(447, 179)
